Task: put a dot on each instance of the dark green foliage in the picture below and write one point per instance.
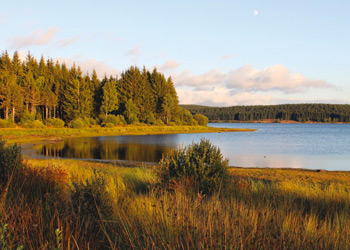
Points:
(200, 165)
(54, 122)
(294, 112)
(47, 90)
(10, 161)
(77, 123)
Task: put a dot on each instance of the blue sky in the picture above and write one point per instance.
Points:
(218, 52)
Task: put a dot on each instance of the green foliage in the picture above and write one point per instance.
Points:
(110, 97)
(150, 119)
(54, 122)
(10, 161)
(77, 123)
(201, 119)
(37, 124)
(27, 118)
(171, 124)
(91, 199)
(294, 112)
(120, 120)
(158, 122)
(108, 125)
(6, 124)
(200, 164)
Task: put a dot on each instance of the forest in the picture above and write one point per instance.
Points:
(34, 93)
(294, 112)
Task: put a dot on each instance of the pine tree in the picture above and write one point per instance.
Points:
(110, 97)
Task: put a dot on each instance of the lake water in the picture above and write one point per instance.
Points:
(312, 146)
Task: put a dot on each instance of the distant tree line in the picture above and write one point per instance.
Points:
(294, 112)
(48, 90)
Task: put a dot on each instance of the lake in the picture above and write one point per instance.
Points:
(276, 145)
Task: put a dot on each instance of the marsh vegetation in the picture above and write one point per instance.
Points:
(70, 204)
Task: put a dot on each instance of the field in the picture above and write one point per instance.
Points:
(71, 204)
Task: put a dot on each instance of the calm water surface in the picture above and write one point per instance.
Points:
(313, 146)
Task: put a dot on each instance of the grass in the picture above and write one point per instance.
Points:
(25, 135)
(260, 209)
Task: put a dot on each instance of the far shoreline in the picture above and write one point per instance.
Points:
(275, 121)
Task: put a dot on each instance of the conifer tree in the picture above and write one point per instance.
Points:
(110, 97)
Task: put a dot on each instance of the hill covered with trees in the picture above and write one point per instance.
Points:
(294, 112)
(48, 91)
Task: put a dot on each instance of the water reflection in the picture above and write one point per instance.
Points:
(312, 146)
(112, 148)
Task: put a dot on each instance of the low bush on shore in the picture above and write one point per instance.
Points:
(68, 204)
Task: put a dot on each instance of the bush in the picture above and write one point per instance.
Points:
(36, 124)
(201, 119)
(10, 161)
(54, 122)
(77, 123)
(171, 124)
(6, 124)
(158, 122)
(27, 118)
(91, 200)
(115, 120)
(201, 165)
(108, 125)
(121, 120)
(150, 119)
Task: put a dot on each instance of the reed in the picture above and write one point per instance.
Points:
(258, 209)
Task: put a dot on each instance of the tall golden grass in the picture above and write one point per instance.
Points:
(259, 209)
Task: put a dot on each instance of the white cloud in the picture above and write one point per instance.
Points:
(65, 42)
(169, 65)
(226, 57)
(250, 86)
(276, 77)
(36, 38)
(88, 65)
(247, 78)
(256, 12)
(134, 51)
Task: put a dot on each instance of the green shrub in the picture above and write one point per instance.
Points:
(201, 119)
(27, 118)
(91, 200)
(115, 120)
(6, 124)
(150, 119)
(77, 123)
(171, 124)
(200, 164)
(158, 122)
(108, 125)
(121, 120)
(10, 161)
(37, 124)
(54, 122)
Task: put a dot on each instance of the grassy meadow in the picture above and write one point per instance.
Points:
(71, 204)
(27, 135)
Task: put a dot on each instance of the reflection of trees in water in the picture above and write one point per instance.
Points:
(90, 148)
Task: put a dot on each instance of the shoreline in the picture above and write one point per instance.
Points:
(275, 121)
(25, 135)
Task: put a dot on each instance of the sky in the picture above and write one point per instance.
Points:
(218, 53)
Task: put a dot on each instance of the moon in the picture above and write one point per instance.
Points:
(256, 12)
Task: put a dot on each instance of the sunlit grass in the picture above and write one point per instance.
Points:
(260, 209)
(26, 135)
